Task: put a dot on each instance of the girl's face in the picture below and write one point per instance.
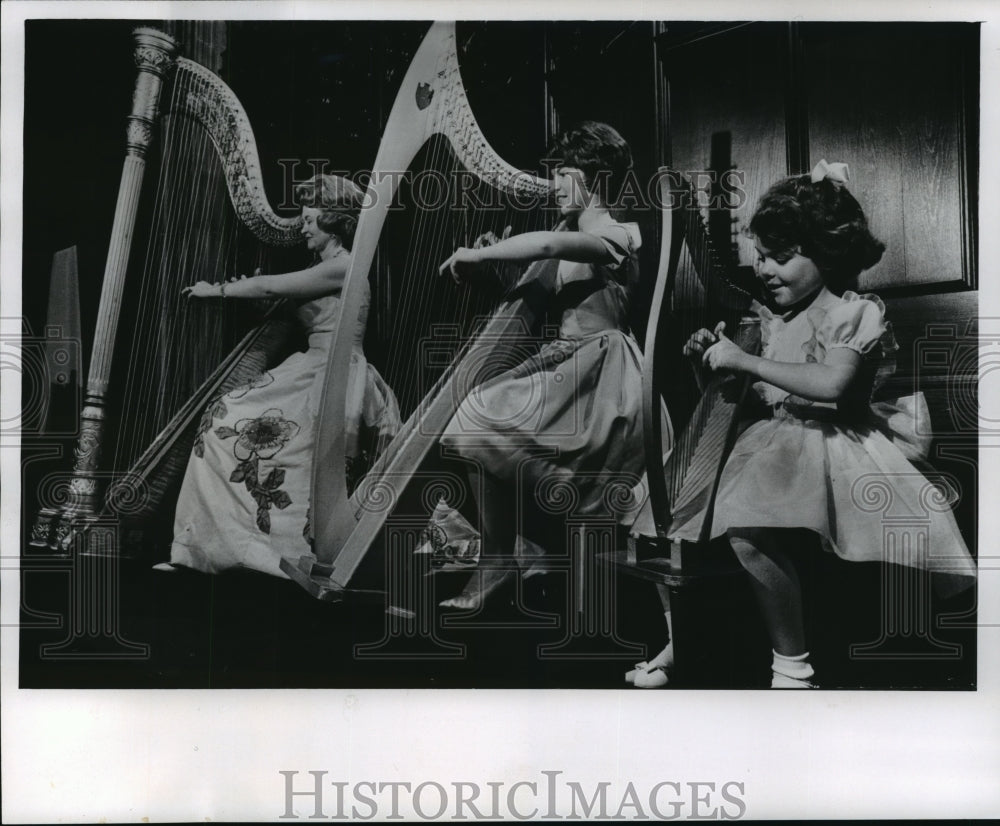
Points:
(572, 195)
(316, 238)
(788, 275)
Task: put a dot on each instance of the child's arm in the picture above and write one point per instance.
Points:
(324, 278)
(581, 247)
(817, 382)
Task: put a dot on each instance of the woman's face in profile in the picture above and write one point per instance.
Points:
(316, 239)
(572, 194)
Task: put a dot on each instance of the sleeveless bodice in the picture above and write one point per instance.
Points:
(319, 318)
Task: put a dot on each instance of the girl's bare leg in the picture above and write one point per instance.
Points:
(776, 586)
(779, 593)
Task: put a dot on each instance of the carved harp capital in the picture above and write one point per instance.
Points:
(154, 51)
(154, 54)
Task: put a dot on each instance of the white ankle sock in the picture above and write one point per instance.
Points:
(665, 659)
(796, 667)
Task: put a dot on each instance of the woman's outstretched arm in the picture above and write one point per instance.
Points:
(530, 246)
(324, 278)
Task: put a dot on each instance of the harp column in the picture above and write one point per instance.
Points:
(154, 54)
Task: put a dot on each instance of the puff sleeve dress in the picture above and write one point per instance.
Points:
(844, 469)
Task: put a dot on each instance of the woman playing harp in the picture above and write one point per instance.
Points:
(245, 497)
(573, 412)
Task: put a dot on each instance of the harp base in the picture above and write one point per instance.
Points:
(650, 557)
(314, 578)
(692, 581)
(665, 570)
(43, 532)
(690, 592)
(81, 535)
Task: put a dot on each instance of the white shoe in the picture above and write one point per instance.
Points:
(779, 680)
(655, 673)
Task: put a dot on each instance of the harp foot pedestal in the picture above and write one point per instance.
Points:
(708, 599)
(315, 578)
(88, 535)
(43, 532)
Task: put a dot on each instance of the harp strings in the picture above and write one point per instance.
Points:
(194, 235)
(427, 311)
(692, 308)
(456, 190)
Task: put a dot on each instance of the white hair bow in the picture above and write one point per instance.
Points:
(835, 173)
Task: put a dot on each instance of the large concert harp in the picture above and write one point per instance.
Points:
(206, 149)
(431, 115)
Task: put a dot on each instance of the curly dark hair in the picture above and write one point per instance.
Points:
(824, 221)
(599, 152)
(340, 201)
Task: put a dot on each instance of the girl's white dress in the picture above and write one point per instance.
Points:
(244, 502)
(841, 469)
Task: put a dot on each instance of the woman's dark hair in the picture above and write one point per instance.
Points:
(824, 221)
(599, 152)
(340, 201)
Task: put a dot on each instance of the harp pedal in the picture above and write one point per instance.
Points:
(315, 578)
(672, 562)
(704, 559)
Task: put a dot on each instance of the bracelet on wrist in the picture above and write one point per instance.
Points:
(222, 289)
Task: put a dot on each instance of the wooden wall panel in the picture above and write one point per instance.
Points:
(890, 107)
(898, 104)
(731, 82)
(920, 322)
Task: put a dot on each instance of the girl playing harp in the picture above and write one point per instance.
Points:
(245, 497)
(572, 413)
(795, 476)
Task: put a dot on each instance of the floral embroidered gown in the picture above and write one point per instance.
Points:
(244, 502)
(841, 470)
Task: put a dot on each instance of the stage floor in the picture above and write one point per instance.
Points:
(122, 624)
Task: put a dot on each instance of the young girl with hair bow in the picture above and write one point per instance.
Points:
(801, 469)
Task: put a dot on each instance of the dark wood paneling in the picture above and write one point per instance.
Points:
(888, 101)
(939, 350)
(898, 104)
(938, 354)
(729, 81)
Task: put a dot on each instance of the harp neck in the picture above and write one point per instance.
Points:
(203, 96)
(433, 101)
